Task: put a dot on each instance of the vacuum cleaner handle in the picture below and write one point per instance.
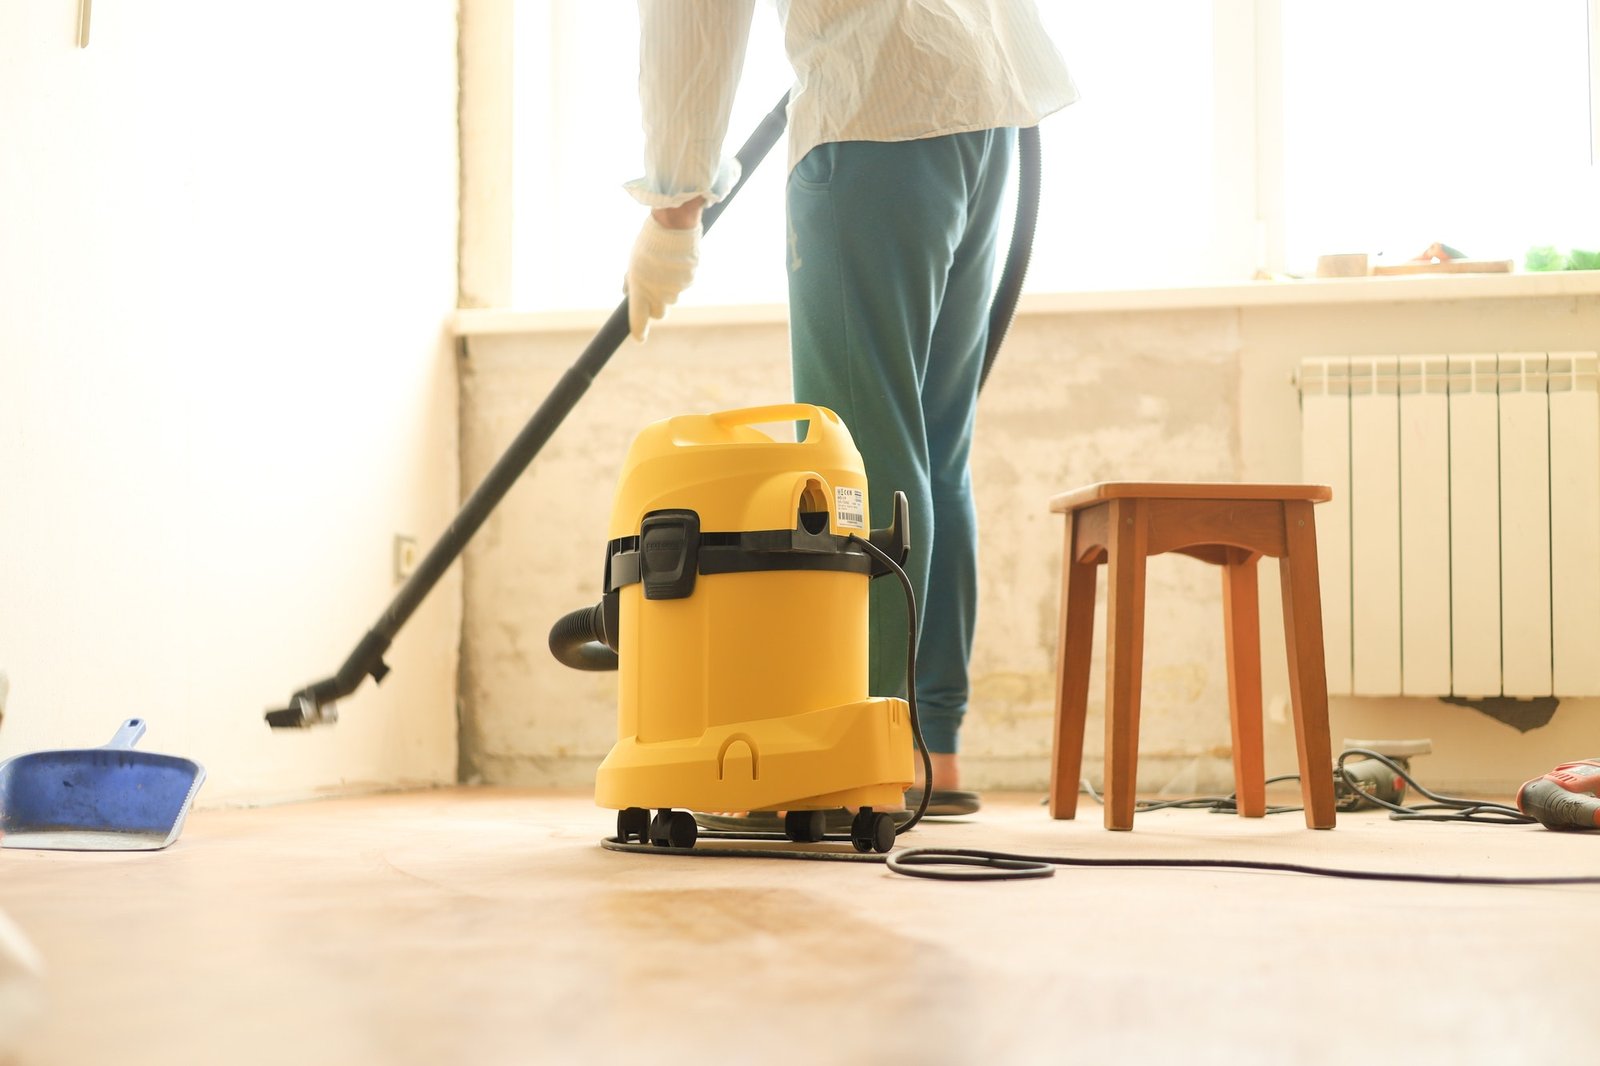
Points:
(771, 412)
(823, 425)
(315, 703)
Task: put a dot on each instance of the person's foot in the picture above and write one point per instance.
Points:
(946, 771)
(946, 798)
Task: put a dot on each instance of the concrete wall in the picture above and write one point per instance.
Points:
(1079, 396)
(227, 262)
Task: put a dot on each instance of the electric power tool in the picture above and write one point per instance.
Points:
(1567, 797)
(1358, 782)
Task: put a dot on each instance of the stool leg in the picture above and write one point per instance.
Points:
(1308, 672)
(1241, 611)
(1074, 644)
(1125, 567)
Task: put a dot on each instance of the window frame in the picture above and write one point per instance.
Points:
(1248, 165)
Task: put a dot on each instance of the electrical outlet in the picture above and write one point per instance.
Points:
(406, 556)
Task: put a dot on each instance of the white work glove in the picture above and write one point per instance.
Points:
(662, 267)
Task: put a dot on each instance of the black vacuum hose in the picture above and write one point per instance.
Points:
(1004, 305)
(579, 638)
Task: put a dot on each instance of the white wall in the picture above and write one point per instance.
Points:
(1196, 394)
(227, 258)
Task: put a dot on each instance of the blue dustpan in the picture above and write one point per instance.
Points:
(97, 799)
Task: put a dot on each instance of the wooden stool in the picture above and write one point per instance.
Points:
(1231, 526)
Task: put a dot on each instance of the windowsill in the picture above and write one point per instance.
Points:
(480, 322)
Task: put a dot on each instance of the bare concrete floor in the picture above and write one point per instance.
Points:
(488, 926)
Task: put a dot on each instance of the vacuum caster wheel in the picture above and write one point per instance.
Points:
(633, 823)
(673, 829)
(805, 827)
(872, 831)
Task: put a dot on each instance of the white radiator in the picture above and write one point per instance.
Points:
(1460, 554)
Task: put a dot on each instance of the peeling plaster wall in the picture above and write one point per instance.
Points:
(1073, 400)
(525, 719)
(1076, 398)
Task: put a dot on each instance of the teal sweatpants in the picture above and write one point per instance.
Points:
(891, 266)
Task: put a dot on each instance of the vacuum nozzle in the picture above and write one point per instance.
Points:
(314, 704)
(304, 711)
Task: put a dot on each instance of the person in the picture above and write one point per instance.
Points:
(902, 124)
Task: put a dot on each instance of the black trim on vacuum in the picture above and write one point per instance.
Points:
(670, 551)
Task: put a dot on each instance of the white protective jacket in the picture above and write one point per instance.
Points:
(865, 70)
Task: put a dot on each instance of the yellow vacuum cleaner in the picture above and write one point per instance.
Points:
(735, 612)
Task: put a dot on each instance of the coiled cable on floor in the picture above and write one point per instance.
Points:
(1442, 809)
(971, 864)
(1460, 808)
(1228, 804)
(974, 864)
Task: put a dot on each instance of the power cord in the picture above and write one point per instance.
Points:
(975, 865)
(1482, 812)
(1464, 810)
(969, 864)
(1228, 804)
(911, 676)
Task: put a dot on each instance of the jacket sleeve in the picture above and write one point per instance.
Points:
(691, 53)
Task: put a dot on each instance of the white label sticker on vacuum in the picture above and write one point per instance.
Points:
(850, 506)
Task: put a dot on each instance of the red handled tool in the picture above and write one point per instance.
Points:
(1567, 797)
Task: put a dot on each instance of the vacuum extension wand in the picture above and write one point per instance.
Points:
(314, 704)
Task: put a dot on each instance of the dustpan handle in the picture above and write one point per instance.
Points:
(128, 735)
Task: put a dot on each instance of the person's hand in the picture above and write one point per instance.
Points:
(662, 265)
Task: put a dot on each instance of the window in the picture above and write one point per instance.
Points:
(1212, 141)
(1461, 121)
(578, 138)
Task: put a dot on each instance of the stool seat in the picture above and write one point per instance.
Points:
(1187, 490)
(1229, 525)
